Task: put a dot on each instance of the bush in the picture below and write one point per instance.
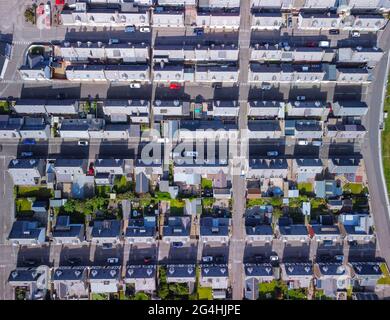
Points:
(29, 15)
(121, 185)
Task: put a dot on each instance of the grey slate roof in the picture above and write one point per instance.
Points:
(181, 270)
(105, 273)
(106, 229)
(258, 269)
(25, 230)
(141, 271)
(298, 269)
(332, 269)
(366, 268)
(69, 273)
(24, 275)
(214, 270)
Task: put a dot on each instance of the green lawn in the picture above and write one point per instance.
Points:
(34, 192)
(99, 296)
(23, 205)
(305, 187)
(255, 202)
(205, 293)
(177, 206)
(207, 183)
(386, 276)
(354, 188)
(386, 139)
(208, 202)
(272, 290)
(102, 191)
(4, 107)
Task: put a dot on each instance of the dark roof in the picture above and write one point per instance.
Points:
(258, 269)
(181, 270)
(177, 226)
(106, 229)
(293, 230)
(336, 269)
(25, 274)
(210, 226)
(25, 230)
(263, 229)
(105, 273)
(63, 228)
(298, 269)
(325, 229)
(214, 270)
(69, 273)
(141, 271)
(366, 268)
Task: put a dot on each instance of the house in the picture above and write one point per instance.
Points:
(27, 233)
(36, 280)
(105, 231)
(181, 273)
(83, 15)
(206, 129)
(176, 229)
(258, 221)
(357, 226)
(35, 128)
(128, 108)
(264, 129)
(168, 18)
(5, 57)
(81, 128)
(327, 189)
(345, 131)
(172, 73)
(303, 129)
(349, 108)
(215, 276)
(214, 229)
(318, 21)
(331, 277)
(224, 108)
(218, 19)
(287, 231)
(30, 106)
(371, 56)
(266, 109)
(171, 108)
(254, 275)
(367, 22)
(321, 232)
(217, 3)
(353, 75)
(346, 166)
(216, 73)
(85, 52)
(267, 21)
(104, 279)
(141, 230)
(70, 283)
(26, 172)
(365, 274)
(67, 170)
(297, 275)
(112, 166)
(143, 277)
(9, 127)
(307, 169)
(268, 168)
(307, 109)
(65, 232)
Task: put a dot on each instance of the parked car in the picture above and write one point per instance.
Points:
(339, 258)
(266, 86)
(112, 260)
(217, 85)
(177, 244)
(199, 31)
(82, 142)
(135, 85)
(174, 86)
(272, 153)
(301, 98)
(130, 29)
(113, 41)
(324, 44)
(29, 141)
(207, 259)
(144, 29)
(158, 9)
(355, 34)
(303, 142)
(317, 143)
(334, 31)
(26, 154)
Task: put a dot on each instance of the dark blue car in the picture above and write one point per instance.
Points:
(29, 141)
(199, 31)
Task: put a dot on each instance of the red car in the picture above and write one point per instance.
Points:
(174, 86)
(311, 44)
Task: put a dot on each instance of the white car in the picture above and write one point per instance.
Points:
(355, 34)
(144, 29)
(112, 260)
(135, 85)
(207, 259)
(302, 142)
(82, 143)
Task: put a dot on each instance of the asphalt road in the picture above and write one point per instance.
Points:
(372, 153)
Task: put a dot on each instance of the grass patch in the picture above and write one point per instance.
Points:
(4, 107)
(354, 188)
(34, 192)
(99, 296)
(23, 205)
(305, 187)
(102, 191)
(206, 183)
(177, 206)
(205, 293)
(272, 290)
(386, 139)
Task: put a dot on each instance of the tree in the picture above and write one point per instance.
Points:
(29, 15)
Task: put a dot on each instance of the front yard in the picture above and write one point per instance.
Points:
(34, 192)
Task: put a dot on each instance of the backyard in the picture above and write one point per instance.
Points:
(34, 192)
